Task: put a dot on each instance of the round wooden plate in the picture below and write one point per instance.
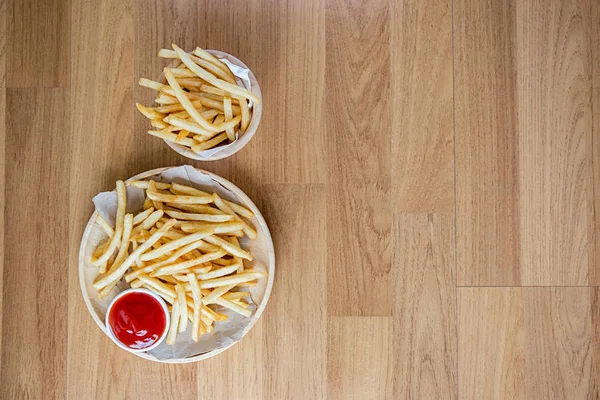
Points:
(93, 234)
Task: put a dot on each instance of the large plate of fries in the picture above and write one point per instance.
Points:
(193, 238)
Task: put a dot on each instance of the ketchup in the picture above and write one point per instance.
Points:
(137, 320)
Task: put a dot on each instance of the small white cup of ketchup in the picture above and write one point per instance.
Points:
(137, 320)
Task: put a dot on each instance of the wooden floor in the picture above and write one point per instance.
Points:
(430, 171)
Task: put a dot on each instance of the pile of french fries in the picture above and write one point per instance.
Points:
(201, 106)
(184, 247)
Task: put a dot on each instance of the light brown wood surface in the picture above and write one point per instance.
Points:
(429, 170)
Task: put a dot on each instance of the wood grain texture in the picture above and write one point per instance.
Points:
(424, 307)
(241, 369)
(3, 35)
(37, 43)
(558, 346)
(2, 201)
(487, 203)
(530, 343)
(34, 306)
(595, 345)
(421, 99)
(358, 251)
(381, 118)
(295, 320)
(358, 145)
(491, 344)
(295, 75)
(554, 127)
(523, 159)
(357, 81)
(359, 358)
(594, 37)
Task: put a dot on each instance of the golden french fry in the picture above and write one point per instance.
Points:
(197, 295)
(158, 205)
(100, 249)
(152, 219)
(198, 217)
(123, 248)
(171, 108)
(181, 266)
(214, 90)
(136, 284)
(188, 125)
(148, 204)
(218, 227)
(191, 84)
(238, 209)
(235, 295)
(148, 112)
(159, 124)
(117, 273)
(175, 198)
(175, 318)
(144, 185)
(141, 217)
(228, 117)
(175, 244)
(151, 84)
(228, 247)
(219, 119)
(213, 68)
(166, 99)
(158, 286)
(247, 284)
(230, 280)
(205, 55)
(209, 144)
(186, 102)
(237, 259)
(222, 261)
(248, 230)
(217, 273)
(197, 208)
(215, 104)
(240, 303)
(184, 114)
(182, 135)
(212, 79)
(116, 238)
(183, 189)
(245, 111)
(148, 269)
(182, 308)
(232, 306)
(218, 292)
(171, 137)
(182, 72)
(105, 226)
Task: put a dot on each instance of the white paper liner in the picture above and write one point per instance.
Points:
(226, 333)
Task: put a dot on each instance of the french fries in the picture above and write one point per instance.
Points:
(200, 104)
(183, 246)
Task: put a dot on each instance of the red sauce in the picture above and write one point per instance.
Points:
(137, 320)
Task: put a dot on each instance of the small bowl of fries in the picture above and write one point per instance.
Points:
(193, 239)
(208, 104)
